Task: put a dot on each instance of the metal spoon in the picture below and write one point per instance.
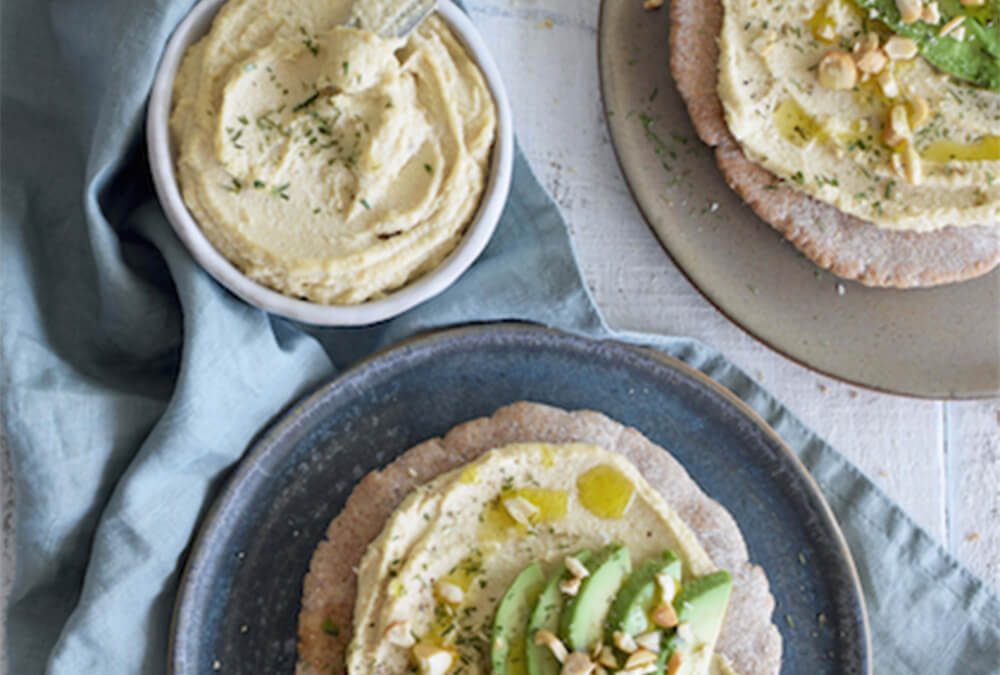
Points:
(390, 19)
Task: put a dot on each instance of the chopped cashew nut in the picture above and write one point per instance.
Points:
(432, 660)
(639, 658)
(398, 633)
(899, 48)
(914, 168)
(570, 586)
(450, 593)
(555, 645)
(909, 10)
(576, 568)
(675, 663)
(897, 164)
(837, 71)
(650, 640)
(520, 509)
(897, 126)
(872, 61)
(638, 670)
(665, 616)
(919, 111)
(607, 658)
(931, 14)
(577, 663)
(887, 83)
(625, 642)
(951, 25)
(866, 43)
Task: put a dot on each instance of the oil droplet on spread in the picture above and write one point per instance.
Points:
(795, 124)
(551, 504)
(469, 475)
(605, 491)
(495, 523)
(985, 149)
(548, 458)
(822, 25)
(516, 660)
(465, 571)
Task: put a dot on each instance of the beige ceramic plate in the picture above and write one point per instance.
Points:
(942, 342)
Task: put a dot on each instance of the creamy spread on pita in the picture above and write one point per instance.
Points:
(827, 97)
(472, 530)
(325, 161)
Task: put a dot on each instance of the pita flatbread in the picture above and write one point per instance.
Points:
(749, 639)
(848, 246)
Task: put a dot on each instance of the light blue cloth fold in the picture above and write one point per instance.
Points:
(132, 383)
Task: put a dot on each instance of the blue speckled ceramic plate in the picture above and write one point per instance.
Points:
(239, 599)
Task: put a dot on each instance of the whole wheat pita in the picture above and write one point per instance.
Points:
(847, 246)
(749, 639)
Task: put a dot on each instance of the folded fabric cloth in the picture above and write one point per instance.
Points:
(132, 382)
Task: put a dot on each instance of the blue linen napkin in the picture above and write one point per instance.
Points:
(132, 382)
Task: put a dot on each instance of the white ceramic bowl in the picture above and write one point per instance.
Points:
(477, 234)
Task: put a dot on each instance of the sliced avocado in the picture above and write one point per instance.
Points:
(581, 624)
(546, 615)
(701, 604)
(507, 639)
(630, 611)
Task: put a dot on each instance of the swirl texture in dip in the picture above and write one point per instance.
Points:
(324, 161)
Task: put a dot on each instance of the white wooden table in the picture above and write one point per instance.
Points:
(941, 461)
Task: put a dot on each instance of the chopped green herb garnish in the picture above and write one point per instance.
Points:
(428, 168)
(306, 103)
(281, 191)
(309, 42)
(364, 203)
(330, 628)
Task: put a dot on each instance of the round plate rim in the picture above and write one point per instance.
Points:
(266, 442)
(777, 349)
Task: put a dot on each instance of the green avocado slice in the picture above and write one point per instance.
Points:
(629, 612)
(545, 615)
(702, 604)
(975, 59)
(508, 637)
(582, 620)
